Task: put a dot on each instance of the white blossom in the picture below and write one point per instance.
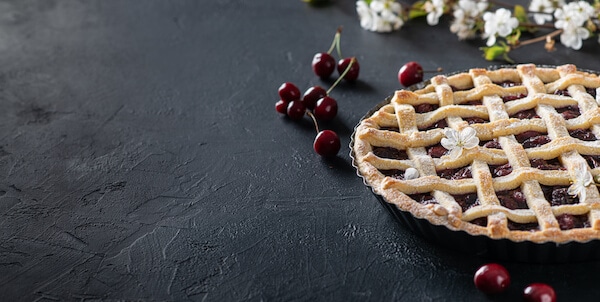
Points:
(544, 9)
(411, 173)
(571, 18)
(499, 23)
(434, 9)
(466, 12)
(380, 15)
(457, 141)
(582, 179)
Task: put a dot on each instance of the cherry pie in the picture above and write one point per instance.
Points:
(507, 153)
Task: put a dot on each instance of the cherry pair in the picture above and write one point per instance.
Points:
(323, 63)
(493, 278)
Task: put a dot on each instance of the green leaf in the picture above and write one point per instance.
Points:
(496, 51)
(417, 10)
(521, 14)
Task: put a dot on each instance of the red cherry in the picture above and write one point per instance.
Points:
(352, 74)
(410, 73)
(312, 95)
(289, 92)
(492, 278)
(323, 64)
(326, 109)
(296, 110)
(327, 143)
(281, 106)
(539, 292)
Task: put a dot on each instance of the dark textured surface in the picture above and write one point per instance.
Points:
(141, 158)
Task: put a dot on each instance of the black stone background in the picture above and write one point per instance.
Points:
(141, 158)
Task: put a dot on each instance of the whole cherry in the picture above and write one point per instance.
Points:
(281, 106)
(312, 95)
(539, 292)
(326, 109)
(327, 143)
(289, 92)
(349, 68)
(323, 64)
(296, 110)
(410, 73)
(492, 278)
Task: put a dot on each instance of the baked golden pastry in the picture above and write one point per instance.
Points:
(506, 153)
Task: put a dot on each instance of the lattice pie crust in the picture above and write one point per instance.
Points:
(523, 116)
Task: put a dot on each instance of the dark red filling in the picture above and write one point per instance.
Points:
(395, 173)
(569, 112)
(423, 108)
(583, 134)
(564, 92)
(551, 164)
(501, 170)
(512, 199)
(436, 151)
(532, 139)
(525, 114)
(508, 98)
(592, 160)
(473, 103)
(557, 195)
(389, 152)
(568, 221)
(466, 201)
(507, 84)
(481, 221)
(474, 120)
(458, 173)
(514, 226)
(424, 198)
(438, 124)
(493, 144)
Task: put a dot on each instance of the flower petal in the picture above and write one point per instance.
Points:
(411, 173)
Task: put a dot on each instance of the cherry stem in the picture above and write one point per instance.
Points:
(342, 75)
(336, 41)
(312, 116)
(538, 39)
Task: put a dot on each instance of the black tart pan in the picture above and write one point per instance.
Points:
(479, 245)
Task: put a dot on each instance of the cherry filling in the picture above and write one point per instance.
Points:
(526, 114)
(507, 84)
(393, 129)
(474, 120)
(583, 134)
(436, 151)
(591, 91)
(438, 124)
(562, 92)
(568, 221)
(455, 174)
(473, 103)
(501, 170)
(532, 139)
(515, 226)
(557, 195)
(481, 221)
(389, 152)
(493, 144)
(423, 108)
(512, 199)
(551, 164)
(592, 160)
(508, 98)
(569, 112)
(466, 201)
(424, 198)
